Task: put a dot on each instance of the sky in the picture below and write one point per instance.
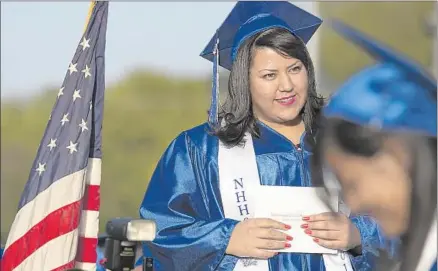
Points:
(38, 39)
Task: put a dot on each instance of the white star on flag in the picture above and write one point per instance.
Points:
(85, 44)
(52, 144)
(76, 94)
(60, 92)
(72, 68)
(72, 147)
(86, 71)
(64, 119)
(83, 125)
(41, 168)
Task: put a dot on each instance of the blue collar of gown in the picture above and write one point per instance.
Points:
(271, 141)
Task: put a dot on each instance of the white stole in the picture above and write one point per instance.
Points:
(238, 178)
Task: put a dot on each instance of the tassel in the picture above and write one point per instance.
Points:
(214, 106)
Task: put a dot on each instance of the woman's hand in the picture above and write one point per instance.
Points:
(258, 238)
(332, 230)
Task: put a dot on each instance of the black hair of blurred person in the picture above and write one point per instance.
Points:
(366, 142)
(237, 109)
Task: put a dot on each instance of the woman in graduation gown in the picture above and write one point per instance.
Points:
(379, 138)
(204, 215)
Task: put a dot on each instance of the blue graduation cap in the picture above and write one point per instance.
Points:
(245, 20)
(394, 95)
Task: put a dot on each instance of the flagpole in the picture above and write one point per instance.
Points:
(90, 11)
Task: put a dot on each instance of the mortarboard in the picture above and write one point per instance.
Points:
(246, 19)
(394, 95)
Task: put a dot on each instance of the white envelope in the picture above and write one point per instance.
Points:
(288, 205)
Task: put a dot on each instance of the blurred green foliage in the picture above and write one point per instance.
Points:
(400, 25)
(145, 111)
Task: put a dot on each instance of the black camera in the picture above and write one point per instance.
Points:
(123, 239)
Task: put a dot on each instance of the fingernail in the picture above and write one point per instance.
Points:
(287, 245)
(289, 238)
(316, 240)
(306, 218)
(308, 231)
(305, 226)
(287, 226)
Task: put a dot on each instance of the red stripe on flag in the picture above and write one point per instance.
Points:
(92, 198)
(57, 223)
(87, 250)
(65, 266)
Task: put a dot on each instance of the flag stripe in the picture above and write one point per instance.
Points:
(92, 197)
(94, 171)
(52, 255)
(90, 218)
(86, 247)
(85, 266)
(65, 266)
(64, 192)
(89, 227)
(58, 223)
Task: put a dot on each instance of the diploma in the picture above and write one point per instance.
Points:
(288, 205)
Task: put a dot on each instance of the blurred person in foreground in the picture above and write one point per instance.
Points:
(377, 146)
(200, 193)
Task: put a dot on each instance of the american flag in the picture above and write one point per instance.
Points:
(57, 221)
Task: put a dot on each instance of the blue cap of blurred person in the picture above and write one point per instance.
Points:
(396, 95)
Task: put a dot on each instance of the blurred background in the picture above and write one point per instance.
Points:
(157, 85)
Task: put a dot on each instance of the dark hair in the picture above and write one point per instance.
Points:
(237, 114)
(365, 141)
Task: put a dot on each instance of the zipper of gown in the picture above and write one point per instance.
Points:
(299, 153)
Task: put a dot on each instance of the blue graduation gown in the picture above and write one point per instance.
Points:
(183, 198)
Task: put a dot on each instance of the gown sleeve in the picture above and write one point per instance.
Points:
(373, 242)
(188, 237)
